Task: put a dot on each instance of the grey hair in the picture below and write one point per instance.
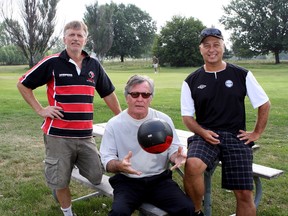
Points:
(138, 79)
(76, 25)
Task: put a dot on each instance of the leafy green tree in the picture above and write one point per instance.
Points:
(178, 42)
(11, 55)
(100, 24)
(227, 53)
(241, 49)
(4, 38)
(34, 37)
(134, 31)
(57, 47)
(258, 25)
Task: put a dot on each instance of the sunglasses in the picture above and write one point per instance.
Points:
(210, 32)
(137, 94)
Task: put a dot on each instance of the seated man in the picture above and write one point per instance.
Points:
(141, 176)
(213, 108)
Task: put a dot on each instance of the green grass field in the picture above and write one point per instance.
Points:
(22, 186)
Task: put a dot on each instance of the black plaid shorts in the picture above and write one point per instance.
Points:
(236, 158)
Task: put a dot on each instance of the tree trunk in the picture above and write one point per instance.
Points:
(277, 58)
(31, 62)
(122, 58)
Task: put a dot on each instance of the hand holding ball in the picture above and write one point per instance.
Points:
(155, 135)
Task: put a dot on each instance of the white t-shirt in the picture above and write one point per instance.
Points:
(120, 137)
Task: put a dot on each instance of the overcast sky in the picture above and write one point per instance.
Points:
(161, 11)
(207, 11)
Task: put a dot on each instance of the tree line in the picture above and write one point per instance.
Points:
(258, 27)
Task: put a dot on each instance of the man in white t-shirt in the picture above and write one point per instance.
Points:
(141, 176)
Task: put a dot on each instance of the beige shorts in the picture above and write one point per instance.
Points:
(62, 154)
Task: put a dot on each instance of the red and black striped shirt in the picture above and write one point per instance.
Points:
(73, 92)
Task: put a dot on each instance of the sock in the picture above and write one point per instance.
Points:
(67, 211)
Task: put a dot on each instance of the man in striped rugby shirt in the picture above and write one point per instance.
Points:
(71, 77)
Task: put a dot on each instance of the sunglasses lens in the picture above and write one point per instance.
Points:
(137, 94)
(145, 95)
(134, 94)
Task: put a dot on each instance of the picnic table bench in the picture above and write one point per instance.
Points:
(147, 209)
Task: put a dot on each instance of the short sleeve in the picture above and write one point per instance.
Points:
(187, 102)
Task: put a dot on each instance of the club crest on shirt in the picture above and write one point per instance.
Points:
(201, 86)
(91, 76)
(229, 83)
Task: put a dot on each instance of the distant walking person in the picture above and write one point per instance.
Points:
(71, 78)
(155, 62)
(215, 93)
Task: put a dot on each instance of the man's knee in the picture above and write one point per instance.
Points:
(120, 210)
(93, 173)
(194, 166)
(96, 178)
(244, 195)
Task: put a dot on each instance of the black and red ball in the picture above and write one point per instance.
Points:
(155, 135)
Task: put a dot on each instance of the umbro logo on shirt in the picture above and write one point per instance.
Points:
(201, 86)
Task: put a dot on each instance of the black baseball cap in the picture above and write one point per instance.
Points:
(214, 32)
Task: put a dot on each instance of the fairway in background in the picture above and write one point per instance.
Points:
(22, 185)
